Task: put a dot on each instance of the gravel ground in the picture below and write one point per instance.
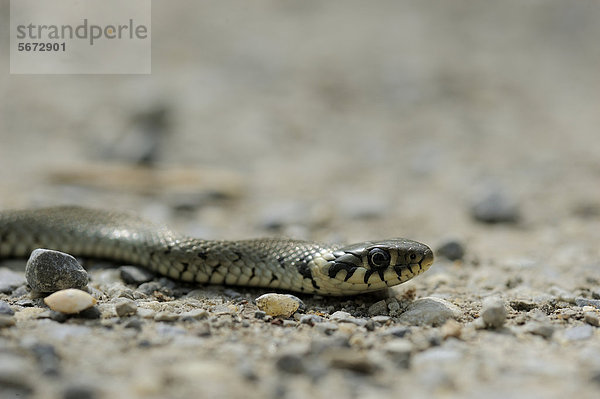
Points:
(469, 126)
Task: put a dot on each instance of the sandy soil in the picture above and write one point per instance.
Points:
(328, 121)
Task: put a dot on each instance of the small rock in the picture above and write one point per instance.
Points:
(451, 250)
(134, 323)
(379, 308)
(398, 331)
(278, 304)
(291, 363)
(232, 293)
(311, 319)
(393, 306)
(339, 315)
(579, 333)
(6, 309)
(381, 319)
(543, 329)
(90, 313)
(194, 315)
(6, 321)
(562, 295)
(50, 271)
(260, 315)
(495, 207)
(126, 307)
(70, 301)
(166, 316)
(493, 312)
(10, 280)
(451, 329)
(135, 275)
(25, 302)
(348, 359)
(587, 302)
(592, 318)
(203, 330)
(522, 305)
(429, 311)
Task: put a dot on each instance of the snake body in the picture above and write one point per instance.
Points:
(294, 265)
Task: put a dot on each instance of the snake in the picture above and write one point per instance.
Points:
(280, 263)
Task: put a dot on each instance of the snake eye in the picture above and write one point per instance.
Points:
(413, 256)
(379, 258)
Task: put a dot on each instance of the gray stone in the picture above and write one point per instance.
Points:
(50, 271)
(135, 275)
(543, 329)
(125, 307)
(311, 319)
(429, 311)
(166, 316)
(579, 333)
(6, 309)
(398, 331)
(451, 250)
(493, 312)
(592, 318)
(10, 280)
(381, 319)
(90, 313)
(339, 315)
(400, 351)
(495, 207)
(194, 315)
(379, 308)
(587, 302)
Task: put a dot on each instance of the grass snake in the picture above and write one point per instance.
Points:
(286, 264)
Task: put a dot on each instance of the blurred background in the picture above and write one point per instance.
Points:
(328, 120)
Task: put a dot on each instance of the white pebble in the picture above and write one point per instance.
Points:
(493, 312)
(70, 301)
(278, 304)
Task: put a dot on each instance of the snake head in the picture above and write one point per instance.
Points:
(371, 266)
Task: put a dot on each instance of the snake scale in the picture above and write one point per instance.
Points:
(286, 264)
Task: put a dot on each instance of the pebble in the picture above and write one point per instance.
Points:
(543, 329)
(348, 359)
(260, 315)
(451, 250)
(6, 309)
(587, 302)
(429, 311)
(495, 207)
(6, 321)
(70, 301)
(398, 331)
(381, 319)
(166, 316)
(10, 280)
(311, 319)
(522, 305)
(278, 304)
(379, 308)
(135, 275)
(194, 315)
(134, 323)
(126, 307)
(493, 312)
(592, 318)
(50, 271)
(90, 313)
(579, 333)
